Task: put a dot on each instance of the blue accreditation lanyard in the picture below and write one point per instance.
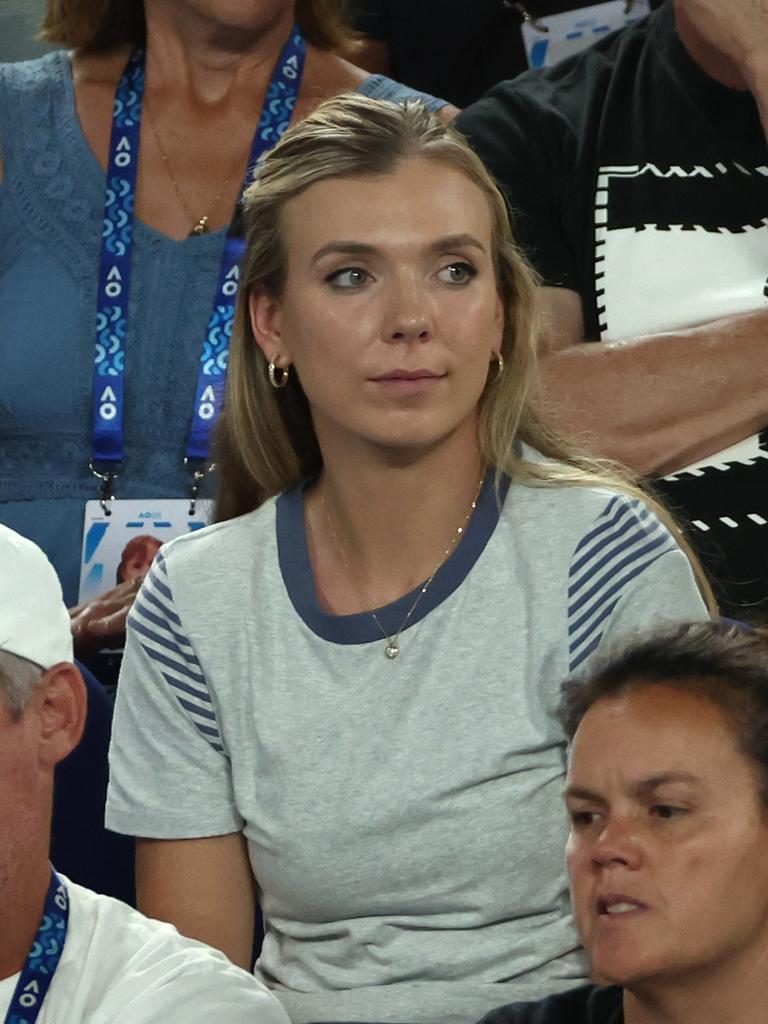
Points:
(115, 268)
(43, 957)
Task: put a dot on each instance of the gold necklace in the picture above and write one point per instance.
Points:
(392, 649)
(201, 225)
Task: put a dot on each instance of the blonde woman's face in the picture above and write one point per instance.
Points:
(390, 313)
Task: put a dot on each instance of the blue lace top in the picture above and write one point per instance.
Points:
(51, 203)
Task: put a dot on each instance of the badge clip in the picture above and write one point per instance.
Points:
(526, 15)
(199, 471)
(106, 490)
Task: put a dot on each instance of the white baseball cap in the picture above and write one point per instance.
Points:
(34, 621)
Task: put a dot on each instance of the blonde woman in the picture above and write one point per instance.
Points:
(336, 701)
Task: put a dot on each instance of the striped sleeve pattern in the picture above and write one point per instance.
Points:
(625, 539)
(158, 629)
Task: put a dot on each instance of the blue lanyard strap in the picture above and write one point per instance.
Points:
(43, 957)
(275, 116)
(117, 249)
(115, 265)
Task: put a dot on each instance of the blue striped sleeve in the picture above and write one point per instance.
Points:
(159, 631)
(622, 543)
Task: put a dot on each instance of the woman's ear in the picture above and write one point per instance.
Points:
(265, 313)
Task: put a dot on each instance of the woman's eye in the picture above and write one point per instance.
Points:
(582, 819)
(667, 811)
(457, 273)
(348, 277)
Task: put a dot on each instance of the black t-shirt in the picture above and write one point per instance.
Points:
(456, 49)
(587, 1004)
(641, 183)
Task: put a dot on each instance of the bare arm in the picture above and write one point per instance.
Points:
(758, 79)
(736, 31)
(656, 402)
(204, 887)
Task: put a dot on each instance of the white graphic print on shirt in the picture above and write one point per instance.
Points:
(662, 262)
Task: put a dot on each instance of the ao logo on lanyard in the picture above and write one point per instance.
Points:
(43, 957)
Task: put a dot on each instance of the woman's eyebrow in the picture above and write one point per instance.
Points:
(456, 242)
(344, 248)
(582, 793)
(645, 787)
(352, 248)
(642, 788)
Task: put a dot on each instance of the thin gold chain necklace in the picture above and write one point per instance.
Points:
(392, 649)
(201, 225)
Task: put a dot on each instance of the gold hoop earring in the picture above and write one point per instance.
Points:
(285, 372)
(499, 366)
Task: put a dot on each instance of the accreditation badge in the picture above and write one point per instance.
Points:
(552, 38)
(120, 546)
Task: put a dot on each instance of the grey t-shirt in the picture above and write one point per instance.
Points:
(403, 817)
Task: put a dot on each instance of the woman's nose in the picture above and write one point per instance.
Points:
(618, 843)
(410, 314)
(413, 329)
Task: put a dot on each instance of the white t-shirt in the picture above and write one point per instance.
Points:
(119, 967)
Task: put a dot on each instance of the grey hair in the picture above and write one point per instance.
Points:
(19, 678)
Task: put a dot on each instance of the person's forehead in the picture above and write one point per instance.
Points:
(427, 196)
(654, 731)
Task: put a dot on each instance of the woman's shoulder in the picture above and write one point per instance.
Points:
(568, 504)
(34, 95)
(30, 77)
(379, 87)
(583, 524)
(228, 543)
(328, 74)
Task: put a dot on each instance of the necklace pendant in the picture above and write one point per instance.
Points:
(392, 650)
(201, 228)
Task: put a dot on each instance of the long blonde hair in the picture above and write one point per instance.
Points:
(266, 440)
(97, 25)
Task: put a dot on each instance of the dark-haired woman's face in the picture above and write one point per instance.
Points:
(390, 313)
(668, 851)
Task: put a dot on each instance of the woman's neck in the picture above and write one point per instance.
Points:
(205, 87)
(378, 528)
(209, 60)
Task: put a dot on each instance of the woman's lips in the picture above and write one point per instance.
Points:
(407, 375)
(619, 905)
(408, 382)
